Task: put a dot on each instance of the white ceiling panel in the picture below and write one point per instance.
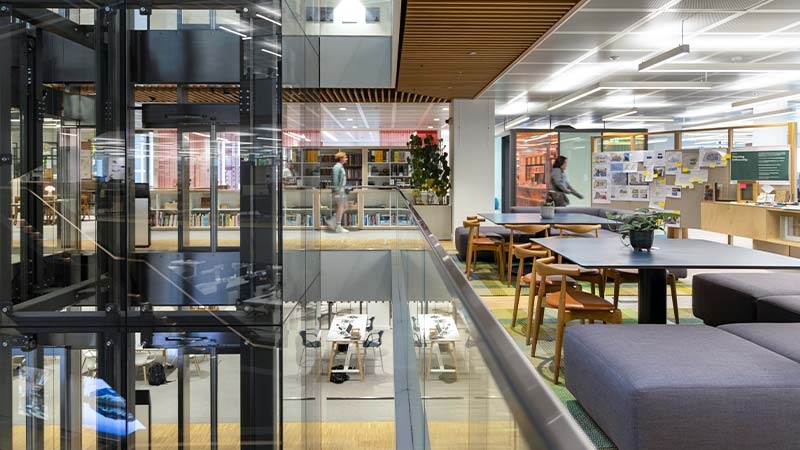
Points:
(718, 31)
(602, 21)
(718, 5)
(785, 5)
(551, 57)
(681, 22)
(626, 4)
(560, 41)
(758, 23)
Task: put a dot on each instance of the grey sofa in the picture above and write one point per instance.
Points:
(688, 387)
(721, 298)
(461, 234)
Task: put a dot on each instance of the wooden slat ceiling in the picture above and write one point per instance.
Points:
(439, 35)
(167, 93)
(369, 95)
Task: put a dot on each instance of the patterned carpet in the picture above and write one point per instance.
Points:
(500, 299)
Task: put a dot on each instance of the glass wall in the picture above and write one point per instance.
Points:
(140, 163)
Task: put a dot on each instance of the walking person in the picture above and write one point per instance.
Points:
(559, 185)
(339, 193)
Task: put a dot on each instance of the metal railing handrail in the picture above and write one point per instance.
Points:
(542, 419)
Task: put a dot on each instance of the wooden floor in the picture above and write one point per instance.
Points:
(299, 436)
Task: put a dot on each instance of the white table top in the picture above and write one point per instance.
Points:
(340, 322)
(428, 322)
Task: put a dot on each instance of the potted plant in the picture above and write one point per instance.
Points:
(640, 227)
(429, 170)
(548, 209)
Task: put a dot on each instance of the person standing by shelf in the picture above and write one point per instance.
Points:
(339, 194)
(559, 185)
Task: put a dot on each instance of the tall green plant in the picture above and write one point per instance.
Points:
(429, 167)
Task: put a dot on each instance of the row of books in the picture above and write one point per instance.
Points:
(387, 219)
(350, 219)
(228, 220)
(306, 220)
(163, 218)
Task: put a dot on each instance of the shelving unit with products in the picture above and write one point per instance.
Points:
(388, 167)
(300, 207)
(383, 209)
(164, 210)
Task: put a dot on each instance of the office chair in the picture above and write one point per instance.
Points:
(370, 342)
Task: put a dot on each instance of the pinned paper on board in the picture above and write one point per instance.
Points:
(712, 157)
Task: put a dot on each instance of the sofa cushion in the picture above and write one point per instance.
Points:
(682, 387)
(781, 338)
(720, 298)
(778, 308)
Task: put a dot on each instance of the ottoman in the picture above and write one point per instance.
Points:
(778, 308)
(683, 387)
(720, 298)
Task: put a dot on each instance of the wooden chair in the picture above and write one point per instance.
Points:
(523, 229)
(84, 206)
(577, 230)
(595, 277)
(476, 243)
(625, 276)
(572, 304)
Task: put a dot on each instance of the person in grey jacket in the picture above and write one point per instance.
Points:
(339, 193)
(559, 185)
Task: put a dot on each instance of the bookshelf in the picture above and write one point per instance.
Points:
(306, 208)
(388, 167)
(164, 210)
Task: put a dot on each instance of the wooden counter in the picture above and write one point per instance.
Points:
(762, 224)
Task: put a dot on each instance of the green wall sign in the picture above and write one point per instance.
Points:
(760, 165)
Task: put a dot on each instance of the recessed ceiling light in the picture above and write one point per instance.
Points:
(430, 127)
(446, 108)
(349, 119)
(355, 126)
(342, 109)
(436, 119)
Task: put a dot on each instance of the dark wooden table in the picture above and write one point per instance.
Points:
(665, 254)
(536, 219)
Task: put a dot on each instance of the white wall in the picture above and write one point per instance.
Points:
(472, 155)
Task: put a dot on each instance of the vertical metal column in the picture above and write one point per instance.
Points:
(214, 181)
(32, 209)
(184, 405)
(6, 176)
(34, 399)
(214, 403)
(260, 398)
(184, 180)
(70, 393)
(6, 378)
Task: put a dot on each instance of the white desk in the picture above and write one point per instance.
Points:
(337, 335)
(448, 335)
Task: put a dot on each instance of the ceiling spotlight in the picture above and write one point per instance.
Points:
(342, 109)
(349, 119)
(446, 108)
(430, 127)
(661, 58)
(354, 126)
(436, 119)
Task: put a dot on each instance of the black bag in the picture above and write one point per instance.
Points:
(339, 377)
(156, 375)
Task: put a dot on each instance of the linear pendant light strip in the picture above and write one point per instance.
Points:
(777, 112)
(766, 98)
(632, 85)
(661, 58)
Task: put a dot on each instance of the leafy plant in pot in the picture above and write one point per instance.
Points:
(429, 169)
(547, 210)
(640, 227)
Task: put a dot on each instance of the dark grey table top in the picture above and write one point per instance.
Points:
(534, 219)
(666, 253)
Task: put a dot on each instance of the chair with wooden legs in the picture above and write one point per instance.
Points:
(523, 229)
(595, 277)
(572, 304)
(523, 252)
(626, 276)
(577, 230)
(476, 243)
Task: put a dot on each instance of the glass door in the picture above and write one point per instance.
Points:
(197, 153)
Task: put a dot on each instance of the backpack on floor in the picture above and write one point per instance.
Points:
(156, 375)
(339, 377)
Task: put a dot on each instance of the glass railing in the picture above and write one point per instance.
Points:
(398, 345)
